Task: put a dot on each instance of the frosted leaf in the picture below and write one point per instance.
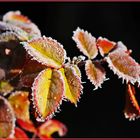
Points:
(124, 66)
(72, 81)
(105, 45)
(121, 47)
(46, 51)
(132, 109)
(86, 43)
(11, 32)
(20, 103)
(95, 73)
(52, 126)
(19, 20)
(7, 119)
(47, 92)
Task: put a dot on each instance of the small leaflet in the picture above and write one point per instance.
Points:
(47, 93)
(7, 119)
(72, 81)
(124, 66)
(46, 51)
(86, 43)
(52, 126)
(105, 45)
(132, 109)
(95, 73)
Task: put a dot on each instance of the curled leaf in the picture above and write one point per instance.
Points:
(11, 32)
(7, 119)
(105, 46)
(124, 66)
(52, 126)
(132, 108)
(27, 125)
(47, 92)
(46, 51)
(20, 103)
(95, 73)
(72, 82)
(17, 19)
(86, 43)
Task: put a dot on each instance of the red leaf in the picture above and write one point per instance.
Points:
(132, 108)
(19, 133)
(27, 125)
(52, 126)
(105, 46)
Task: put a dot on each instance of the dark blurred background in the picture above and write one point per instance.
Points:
(99, 113)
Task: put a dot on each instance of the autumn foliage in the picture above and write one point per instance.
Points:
(36, 76)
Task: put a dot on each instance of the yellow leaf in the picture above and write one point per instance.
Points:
(46, 51)
(47, 92)
(72, 82)
(86, 43)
